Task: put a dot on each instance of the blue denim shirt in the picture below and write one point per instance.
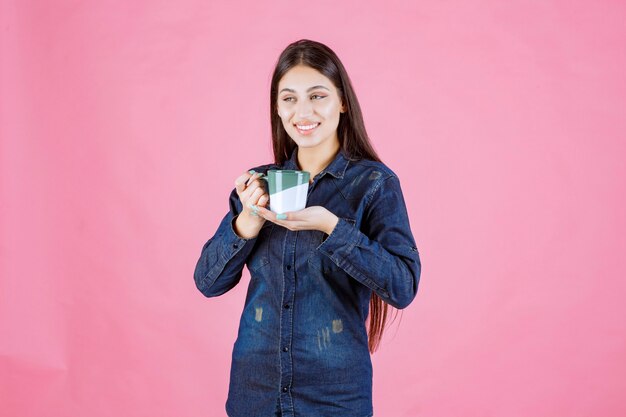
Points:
(301, 348)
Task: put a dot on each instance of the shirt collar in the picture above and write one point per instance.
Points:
(336, 168)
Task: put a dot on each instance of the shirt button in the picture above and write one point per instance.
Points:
(286, 306)
(285, 349)
(235, 245)
(285, 389)
(288, 266)
(330, 252)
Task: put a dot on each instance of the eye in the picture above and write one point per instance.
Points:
(288, 99)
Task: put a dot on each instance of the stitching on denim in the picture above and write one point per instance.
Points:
(218, 266)
(352, 223)
(355, 272)
(264, 257)
(355, 240)
(332, 233)
(339, 190)
(280, 322)
(350, 266)
(291, 313)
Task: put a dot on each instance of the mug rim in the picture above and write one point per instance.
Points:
(289, 171)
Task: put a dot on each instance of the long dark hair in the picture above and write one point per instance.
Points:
(351, 132)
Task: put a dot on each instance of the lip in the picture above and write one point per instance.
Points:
(307, 132)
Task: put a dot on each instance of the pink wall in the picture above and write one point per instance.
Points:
(124, 124)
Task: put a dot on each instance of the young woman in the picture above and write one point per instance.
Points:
(317, 274)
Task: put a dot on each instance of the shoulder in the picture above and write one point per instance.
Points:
(383, 182)
(374, 170)
(367, 180)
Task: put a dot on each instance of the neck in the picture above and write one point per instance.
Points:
(315, 160)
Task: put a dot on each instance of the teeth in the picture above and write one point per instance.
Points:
(308, 127)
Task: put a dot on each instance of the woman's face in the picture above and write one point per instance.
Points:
(307, 98)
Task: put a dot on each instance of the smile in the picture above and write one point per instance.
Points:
(307, 129)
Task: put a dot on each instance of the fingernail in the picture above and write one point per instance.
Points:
(251, 171)
(281, 216)
(254, 213)
(254, 207)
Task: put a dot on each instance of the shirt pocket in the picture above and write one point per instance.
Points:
(260, 254)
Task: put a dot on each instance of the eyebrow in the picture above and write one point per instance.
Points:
(311, 88)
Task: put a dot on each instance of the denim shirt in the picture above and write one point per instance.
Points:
(302, 348)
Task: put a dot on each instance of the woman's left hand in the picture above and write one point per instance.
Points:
(310, 218)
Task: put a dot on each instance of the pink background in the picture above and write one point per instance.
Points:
(124, 124)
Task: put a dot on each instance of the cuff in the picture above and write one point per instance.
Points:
(232, 242)
(341, 240)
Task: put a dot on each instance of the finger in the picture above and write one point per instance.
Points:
(247, 193)
(254, 197)
(288, 216)
(263, 200)
(281, 219)
(253, 177)
(254, 186)
(240, 182)
(257, 183)
(251, 201)
(267, 214)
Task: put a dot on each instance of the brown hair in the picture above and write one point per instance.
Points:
(353, 137)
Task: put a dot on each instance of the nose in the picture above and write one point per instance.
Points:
(304, 109)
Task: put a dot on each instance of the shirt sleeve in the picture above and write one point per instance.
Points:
(382, 255)
(223, 256)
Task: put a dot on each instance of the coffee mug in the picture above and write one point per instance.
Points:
(288, 189)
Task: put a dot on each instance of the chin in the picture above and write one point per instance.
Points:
(303, 142)
(306, 144)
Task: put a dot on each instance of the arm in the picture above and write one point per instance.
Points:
(223, 256)
(383, 256)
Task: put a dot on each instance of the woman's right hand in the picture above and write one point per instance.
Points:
(251, 193)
